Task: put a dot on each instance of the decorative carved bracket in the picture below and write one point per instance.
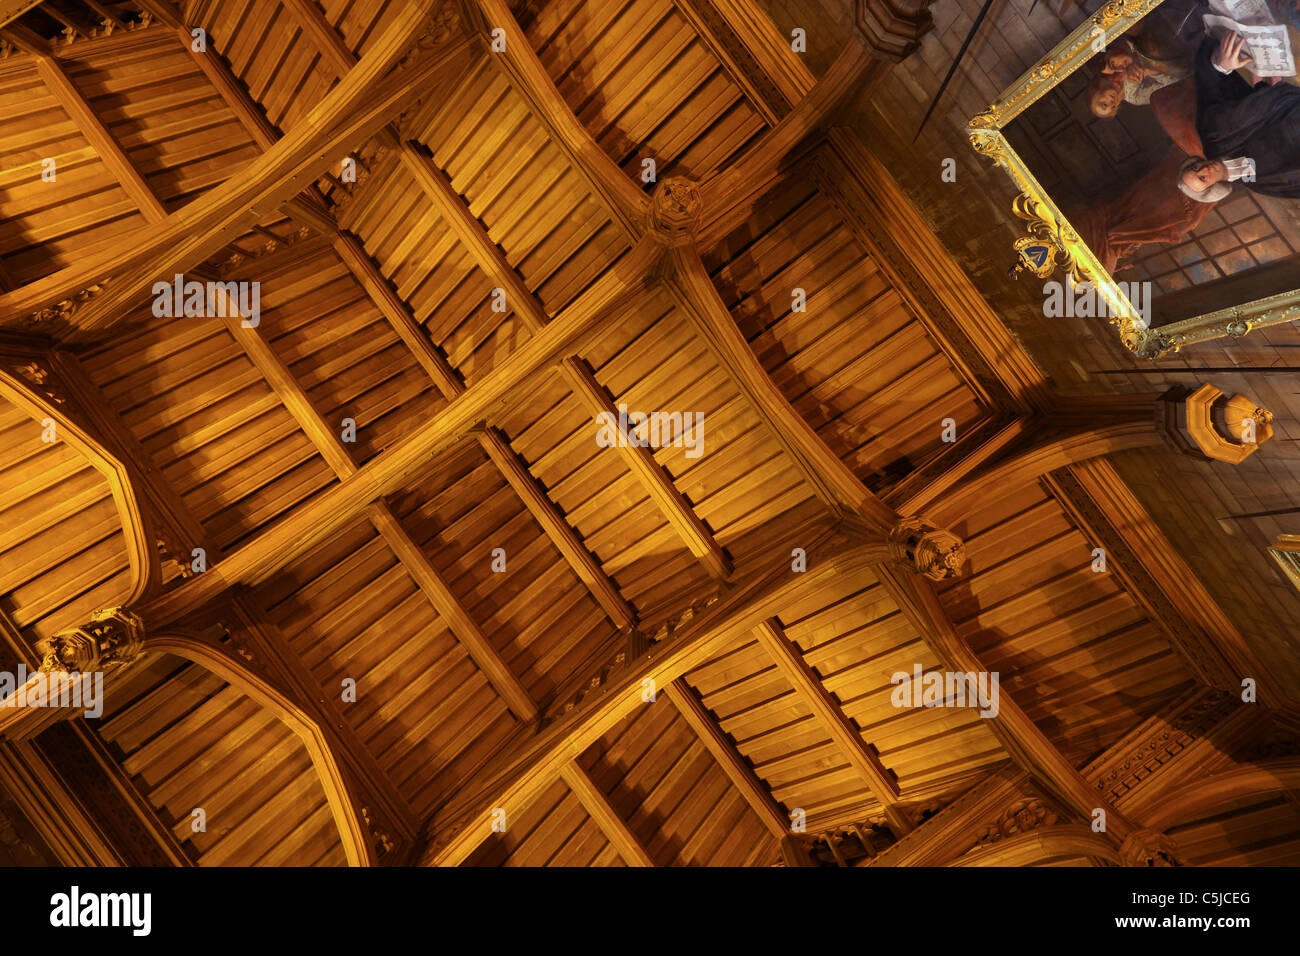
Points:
(112, 636)
(920, 546)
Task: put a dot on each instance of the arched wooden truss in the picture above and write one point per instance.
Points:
(1043, 846)
(43, 407)
(344, 803)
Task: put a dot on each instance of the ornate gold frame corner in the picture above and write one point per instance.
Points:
(1051, 243)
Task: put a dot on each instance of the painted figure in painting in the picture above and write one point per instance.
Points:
(1251, 134)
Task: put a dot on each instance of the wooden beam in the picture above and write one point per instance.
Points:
(1050, 448)
(456, 213)
(626, 203)
(449, 608)
(738, 770)
(514, 778)
(28, 41)
(101, 140)
(584, 321)
(1027, 744)
(831, 479)
(1191, 738)
(11, 10)
(953, 466)
(830, 715)
(322, 36)
(751, 49)
(398, 313)
(494, 444)
(331, 447)
(351, 112)
(654, 479)
(558, 530)
(602, 811)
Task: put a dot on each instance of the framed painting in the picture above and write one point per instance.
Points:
(1157, 155)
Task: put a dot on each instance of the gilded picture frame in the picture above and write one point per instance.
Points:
(1052, 244)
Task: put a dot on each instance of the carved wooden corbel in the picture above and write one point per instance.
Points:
(920, 546)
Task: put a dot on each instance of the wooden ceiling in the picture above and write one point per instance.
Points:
(474, 635)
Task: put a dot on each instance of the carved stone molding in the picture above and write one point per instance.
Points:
(675, 210)
(113, 636)
(1023, 815)
(893, 28)
(926, 549)
(1148, 848)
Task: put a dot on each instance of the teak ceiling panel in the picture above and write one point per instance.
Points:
(166, 117)
(1073, 648)
(46, 225)
(420, 701)
(62, 550)
(222, 438)
(670, 792)
(643, 84)
(854, 363)
(193, 742)
(536, 613)
(857, 641)
(343, 353)
(554, 830)
(523, 189)
(265, 48)
(1249, 832)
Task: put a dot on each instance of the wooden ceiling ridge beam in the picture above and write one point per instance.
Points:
(829, 713)
(728, 757)
(599, 808)
(516, 776)
(584, 321)
(387, 524)
(350, 113)
(100, 138)
(473, 234)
